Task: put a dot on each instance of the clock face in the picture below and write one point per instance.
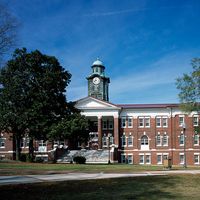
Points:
(96, 80)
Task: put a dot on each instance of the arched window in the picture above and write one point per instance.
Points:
(144, 140)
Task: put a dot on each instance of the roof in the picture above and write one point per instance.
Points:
(147, 105)
(97, 62)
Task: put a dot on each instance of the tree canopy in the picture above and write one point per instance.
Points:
(189, 86)
(32, 94)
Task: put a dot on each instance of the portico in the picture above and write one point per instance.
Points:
(103, 118)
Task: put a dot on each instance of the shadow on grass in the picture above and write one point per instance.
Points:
(150, 187)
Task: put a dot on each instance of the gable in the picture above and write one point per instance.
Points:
(93, 103)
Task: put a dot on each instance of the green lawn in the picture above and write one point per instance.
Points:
(20, 168)
(151, 187)
(14, 168)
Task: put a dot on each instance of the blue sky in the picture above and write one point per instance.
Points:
(144, 44)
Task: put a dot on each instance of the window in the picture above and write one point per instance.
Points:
(123, 122)
(196, 139)
(104, 125)
(25, 142)
(123, 158)
(42, 146)
(158, 140)
(159, 159)
(158, 121)
(110, 124)
(141, 159)
(181, 140)
(148, 159)
(165, 156)
(145, 159)
(195, 121)
(130, 159)
(2, 142)
(147, 122)
(123, 140)
(141, 122)
(181, 120)
(104, 140)
(165, 140)
(196, 158)
(130, 122)
(130, 140)
(144, 122)
(161, 121)
(111, 140)
(144, 140)
(165, 122)
(181, 158)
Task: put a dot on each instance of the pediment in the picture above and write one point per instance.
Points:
(93, 103)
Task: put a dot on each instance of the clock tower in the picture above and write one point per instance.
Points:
(97, 82)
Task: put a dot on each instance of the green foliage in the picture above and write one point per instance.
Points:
(189, 86)
(73, 127)
(32, 94)
(79, 160)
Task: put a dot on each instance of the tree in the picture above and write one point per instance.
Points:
(189, 86)
(32, 95)
(74, 127)
(8, 30)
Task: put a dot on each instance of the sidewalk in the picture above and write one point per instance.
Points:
(7, 180)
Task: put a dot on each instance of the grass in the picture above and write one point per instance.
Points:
(20, 168)
(147, 188)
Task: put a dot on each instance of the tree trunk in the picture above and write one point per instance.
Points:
(18, 148)
(31, 150)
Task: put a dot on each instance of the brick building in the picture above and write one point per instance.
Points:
(135, 133)
(140, 133)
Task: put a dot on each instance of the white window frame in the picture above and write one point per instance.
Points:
(123, 158)
(158, 135)
(130, 122)
(141, 156)
(2, 141)
(167, 139)
(130, 138)
(181, 139)
(196, 155)
(160, 161)
(144, 143)
(149, 155)
(165, 118)
(196, 138)
(181, 120)
(147, 121)
(123, 122)
(158, 123)
(141, 122)
(25, 142)
(123, 140)
(128, 160)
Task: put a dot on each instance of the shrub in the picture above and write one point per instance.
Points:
(79, 160)
(23, 157)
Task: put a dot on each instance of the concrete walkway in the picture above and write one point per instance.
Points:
(7, 180)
